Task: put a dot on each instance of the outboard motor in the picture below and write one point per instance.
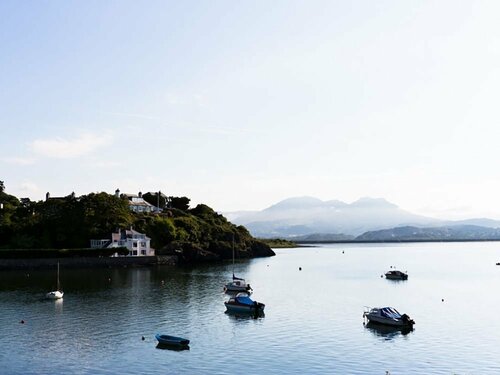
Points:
(407, 320)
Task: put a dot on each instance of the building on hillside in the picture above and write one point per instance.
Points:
(48, 197)
(136, 203)
(138, 244)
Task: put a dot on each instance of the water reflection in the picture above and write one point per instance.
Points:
(58, 305)
(387, 332)
(177, 348)
(245, 316)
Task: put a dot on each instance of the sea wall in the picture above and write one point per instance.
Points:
(87, 262)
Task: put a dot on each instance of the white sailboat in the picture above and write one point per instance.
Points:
(237, 284)
(57, 294)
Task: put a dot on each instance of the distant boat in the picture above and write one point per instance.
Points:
(58, 293)
(396, 275)
(237, 284)
(171, 340)
(388, 316)
(242, 303)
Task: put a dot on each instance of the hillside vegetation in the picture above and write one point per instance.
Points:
(195, 235)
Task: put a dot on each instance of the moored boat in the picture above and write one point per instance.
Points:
(58, 293)
(242, 303)
(396, 275)
(237, 285)
(171, 340)
(388, 316)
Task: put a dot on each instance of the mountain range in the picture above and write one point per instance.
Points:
(309, 218)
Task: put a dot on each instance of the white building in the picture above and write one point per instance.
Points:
(138, 244)
(136, 202)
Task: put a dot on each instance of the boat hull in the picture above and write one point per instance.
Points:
(392, 277)
(233, 288)
(54, 295)
(171, 340)
(387, 321)
(396, 275)
(248, 309)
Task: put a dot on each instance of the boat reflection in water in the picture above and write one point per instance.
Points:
(177, 348)
(388, 332)
(245, 315)
(242, 304)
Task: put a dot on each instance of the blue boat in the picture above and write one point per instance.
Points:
(171, 340)
(242, 303)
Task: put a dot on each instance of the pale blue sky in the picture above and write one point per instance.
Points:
(239, 104)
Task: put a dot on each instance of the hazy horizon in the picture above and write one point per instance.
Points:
(241, 105)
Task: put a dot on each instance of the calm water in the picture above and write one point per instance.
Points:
(313, 322)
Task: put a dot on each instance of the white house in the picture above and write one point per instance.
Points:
(136, 203)
(138, 244)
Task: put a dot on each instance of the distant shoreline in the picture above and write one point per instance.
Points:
(397, 241)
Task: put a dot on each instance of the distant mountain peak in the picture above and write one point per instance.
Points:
(305, 215)
(297, 203)
(366, 202)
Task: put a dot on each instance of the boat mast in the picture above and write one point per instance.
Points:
(58, 284)
(233, 255)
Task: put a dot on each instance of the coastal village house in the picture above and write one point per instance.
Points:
(137, 202)
(138, 244)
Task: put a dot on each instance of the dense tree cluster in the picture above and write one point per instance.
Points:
(71, 222)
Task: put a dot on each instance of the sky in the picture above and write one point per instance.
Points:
(240, 104)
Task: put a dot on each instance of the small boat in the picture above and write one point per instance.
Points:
(388, 316)
(242, 303)
(56, 294)
(237, 284)
(171, 340)
(396, 275)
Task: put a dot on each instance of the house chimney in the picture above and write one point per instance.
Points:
(117, 193)
(140, 194)
(47, 196)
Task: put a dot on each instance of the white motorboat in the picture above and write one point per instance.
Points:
(396, 275)
(388, 316)
(242, 303)
(58, 293)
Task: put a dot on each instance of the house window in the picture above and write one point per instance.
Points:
(143, 252)
(143, 244)
(134, 252)
(134, 244)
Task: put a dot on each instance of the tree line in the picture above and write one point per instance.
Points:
(71, 222)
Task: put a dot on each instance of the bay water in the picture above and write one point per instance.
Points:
(313, 324)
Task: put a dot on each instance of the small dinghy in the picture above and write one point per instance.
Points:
(388, 316)
(171, 340)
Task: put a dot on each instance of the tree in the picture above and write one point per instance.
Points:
(2, 187)
(181, 203)
(104, 213)
(152, 198)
